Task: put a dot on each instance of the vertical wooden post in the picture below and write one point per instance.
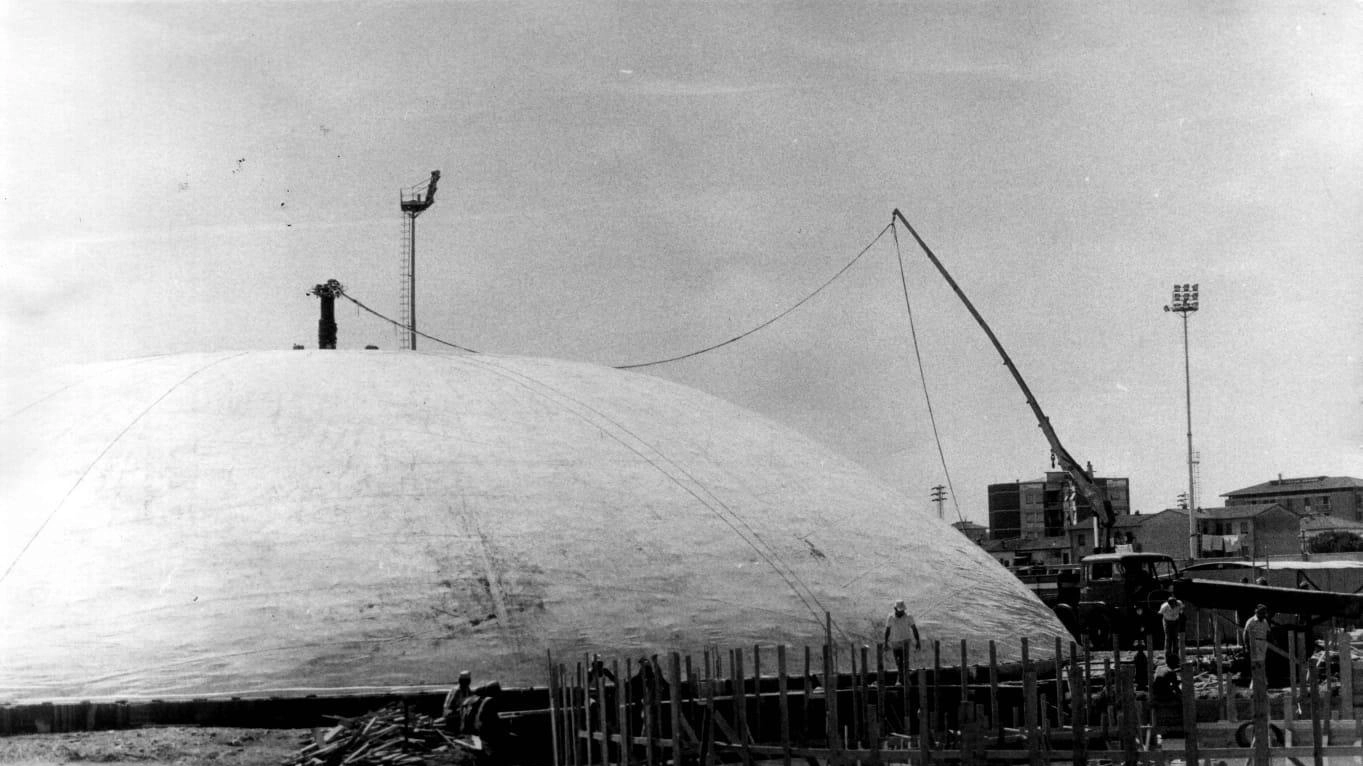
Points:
(650, 721)
(1029, 716)
(905, 685)
(965, 674)
(1078, 710)
(602, 711)
(1189, 699)
(937, 715)
(880, 683)
(675, 693)
(995, 721)
(553, 708)
(1026, 668)
(858, 699)
(707, 744)
(757, 692)
(1059, 683)
(1150, 662)
(830, 684)
(582, 723)
(1314, 709)
(873, 731)
(622, 710)
(783, 702)
(1346, 678)
(807, 683)
(1290, 703)
(1130, 721)
(866, 701)
(740, 704)
(1227, 700)
(1109, 694)
(1259, 709)
(924, 727)
(569, 730)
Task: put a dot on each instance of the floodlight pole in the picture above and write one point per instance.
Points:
(1184, 303)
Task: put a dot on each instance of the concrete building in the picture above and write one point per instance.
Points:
(1339, 496)
(1025, 552)
(1036, 509)
(1164, 532)
(1248, 531)
(976, 533)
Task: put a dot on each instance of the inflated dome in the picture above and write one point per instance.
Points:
(238, 522)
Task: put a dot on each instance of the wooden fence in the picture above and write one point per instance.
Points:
(842, 704)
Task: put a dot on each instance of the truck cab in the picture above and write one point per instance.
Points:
(1116, 595)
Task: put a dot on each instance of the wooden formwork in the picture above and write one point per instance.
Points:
(1061, 703)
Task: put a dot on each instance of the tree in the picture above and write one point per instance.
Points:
(1334, 541)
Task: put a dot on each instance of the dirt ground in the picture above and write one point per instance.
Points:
(155, 746)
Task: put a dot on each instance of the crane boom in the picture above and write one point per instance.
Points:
(1079, 476)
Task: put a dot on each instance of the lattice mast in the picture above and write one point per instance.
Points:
(413, 200)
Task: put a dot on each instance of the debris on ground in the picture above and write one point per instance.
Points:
(388, 737)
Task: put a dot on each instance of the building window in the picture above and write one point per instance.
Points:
(1244, 527)
(1081, 540)
(1325, 502)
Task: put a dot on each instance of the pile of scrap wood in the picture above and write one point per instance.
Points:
(388, 737)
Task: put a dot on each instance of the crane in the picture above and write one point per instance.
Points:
(1080, 477)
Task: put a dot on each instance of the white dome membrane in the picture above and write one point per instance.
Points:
(319, 519)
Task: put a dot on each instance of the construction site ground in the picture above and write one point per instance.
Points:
(155, 746)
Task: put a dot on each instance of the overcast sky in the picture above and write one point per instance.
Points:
(630, 181)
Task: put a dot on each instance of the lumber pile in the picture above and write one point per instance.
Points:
(387, 737)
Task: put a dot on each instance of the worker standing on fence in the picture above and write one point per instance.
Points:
(1256, 642)
(899, 628)
(1171, 612)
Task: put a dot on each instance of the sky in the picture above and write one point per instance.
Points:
(627, 182)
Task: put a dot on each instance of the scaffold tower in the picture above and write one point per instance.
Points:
(414, 200)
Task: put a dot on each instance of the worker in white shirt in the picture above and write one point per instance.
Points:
(1171, 614)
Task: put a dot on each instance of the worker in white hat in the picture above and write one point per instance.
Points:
(899, 628)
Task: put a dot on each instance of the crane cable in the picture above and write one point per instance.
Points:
(913, 332)
(771, 321)
(396, 323)
(698, 352)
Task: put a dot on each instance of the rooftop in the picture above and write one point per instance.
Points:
(1280, 486)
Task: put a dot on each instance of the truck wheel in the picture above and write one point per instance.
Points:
(1068, 618)
(1246, 732)
(1099, 632)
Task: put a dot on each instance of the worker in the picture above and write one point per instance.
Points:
(1256, 642)
(1141, 663)
(454, 701)
(599, 669)
(481, 717)
(1171, 613)
(899, 626)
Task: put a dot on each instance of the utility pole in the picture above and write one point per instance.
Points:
(1185, 303)
(939, 496)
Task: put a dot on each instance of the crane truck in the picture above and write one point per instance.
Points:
(1111, 594)
(1117, 595)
